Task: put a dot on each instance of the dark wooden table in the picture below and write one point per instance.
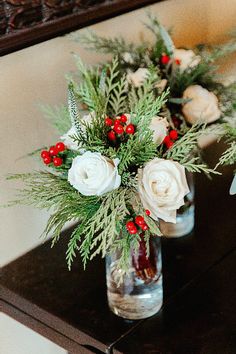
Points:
(198, 314)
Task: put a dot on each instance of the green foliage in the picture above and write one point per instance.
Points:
(94, 42)
(229, 155)
(58, 116)
(184, 150)
(160, 33)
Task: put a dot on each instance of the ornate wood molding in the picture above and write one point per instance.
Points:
(27, 22)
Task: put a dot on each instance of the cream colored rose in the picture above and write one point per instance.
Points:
(203, 106)
(162, 186)
(94, 174)
(159, 126)
(67, 138)
(187, 58)
(138, 77)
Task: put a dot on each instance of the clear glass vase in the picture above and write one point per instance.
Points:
(139, 293)
(184, 217)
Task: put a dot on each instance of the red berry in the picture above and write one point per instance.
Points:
(111, 135)
(45, 154)
(144, 227)
(176, 121)
(57, 161)
(169, 144)
(60, 146)
(148, 213)
(165, 59)
(173, 134)
(177, 61)
(166, 140)
(130, 225)
(119, 129)
(139, 220)
(130, 129)
(123, 118)
(53, 151)
(133, 231)
(116, 122)
(47, 160)
(108, 122)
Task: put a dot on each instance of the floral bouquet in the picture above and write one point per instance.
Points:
(196, 93)
(113, 173)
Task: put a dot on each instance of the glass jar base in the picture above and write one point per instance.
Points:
(138, 306)
(184, 225)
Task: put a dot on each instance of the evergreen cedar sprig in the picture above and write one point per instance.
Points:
(101, 219)
(229, 155)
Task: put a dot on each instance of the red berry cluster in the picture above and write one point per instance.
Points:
(138, 221)
(169, 139)
(165, 59)
(119, 127)
(52, 154)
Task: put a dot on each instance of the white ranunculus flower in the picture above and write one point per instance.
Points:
(138, 77)
(159, 126)
(94, 174)
(203, 106)
(187, 58)
(67, 137)
(162, 186)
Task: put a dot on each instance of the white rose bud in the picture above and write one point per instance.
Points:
(67, 137)
(127, 57)
(187, 58)
(203, 106)
(159, 126)
(138, 77)
(94, 174)
(162, 186)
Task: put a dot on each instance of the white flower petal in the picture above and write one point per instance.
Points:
(203, 106)
(162, 186)
(94, 174)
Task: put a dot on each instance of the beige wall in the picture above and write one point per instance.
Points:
(36, 74)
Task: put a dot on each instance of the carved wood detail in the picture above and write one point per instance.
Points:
(27, 22)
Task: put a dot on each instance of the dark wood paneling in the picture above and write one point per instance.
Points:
(27, 22)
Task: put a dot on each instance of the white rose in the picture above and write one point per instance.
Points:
(127, 57)
(159, 126)
(162, 186)
(138, 77)
(67, 137)
(203, 106)
(94, 174)
(187, 58)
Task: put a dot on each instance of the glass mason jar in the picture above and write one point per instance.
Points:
(184, 217)
(139, 294)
